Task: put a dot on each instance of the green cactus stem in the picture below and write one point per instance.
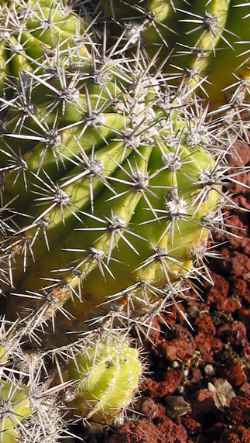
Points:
(106, 194)
(201, 28)
(153, 23)
(15, 407)
(106, 377)
(112, 178)
(197, 41)
(231, 68)
(34, 32)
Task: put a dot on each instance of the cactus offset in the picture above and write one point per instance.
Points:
(15, 407)
(97, 379)
(107, 376)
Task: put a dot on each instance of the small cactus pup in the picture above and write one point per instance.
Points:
(15, 407)
(96, 377)
(30, 409)
(106, 376)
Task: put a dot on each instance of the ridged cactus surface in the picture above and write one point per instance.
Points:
(15, 407)
(204, 43)
(33, 32)
(110, 186)
(110, 179)
(95, 378)
(108, 374)
(112, 176)
(58, 118)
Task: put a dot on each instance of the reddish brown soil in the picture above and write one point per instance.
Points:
(198, 389)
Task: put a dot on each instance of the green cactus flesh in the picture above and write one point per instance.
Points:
(32, 32)
(106, 376)
(198, 40)
(108, 201)
(3, 355)
(233, 53)
(111, 177)
(152, 21)
(201, 28)
(109, 187)
(15, 407)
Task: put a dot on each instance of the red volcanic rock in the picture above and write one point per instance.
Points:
(230, 437)
(195, 375)
(240, 411)
(151, 409)
(241, 200)
(235, 374)
(143, 431)
(244, 314)
(204, 344)
(205, 324)
(235, 333)
(192, 425)
(242, 289)
(219, 291)
(165, 387)
(241, 243)
(207, 345)
(241, 266)
(230, 305)
(244, 434)
(180, 348)
(203, 404)
(211, 373)
(239, 333)
(245, 390)
(241, 155)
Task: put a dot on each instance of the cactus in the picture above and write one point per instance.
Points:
(29, 412)
(32, 32)
(107, 375)
(55, 115)
(111, 181)
(106, 200)
(97, 378)
(221, 86)
(197, 40)
(15, 407)
(152, 22)
(9, 342)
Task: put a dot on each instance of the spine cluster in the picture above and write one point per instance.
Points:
(113, 175)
